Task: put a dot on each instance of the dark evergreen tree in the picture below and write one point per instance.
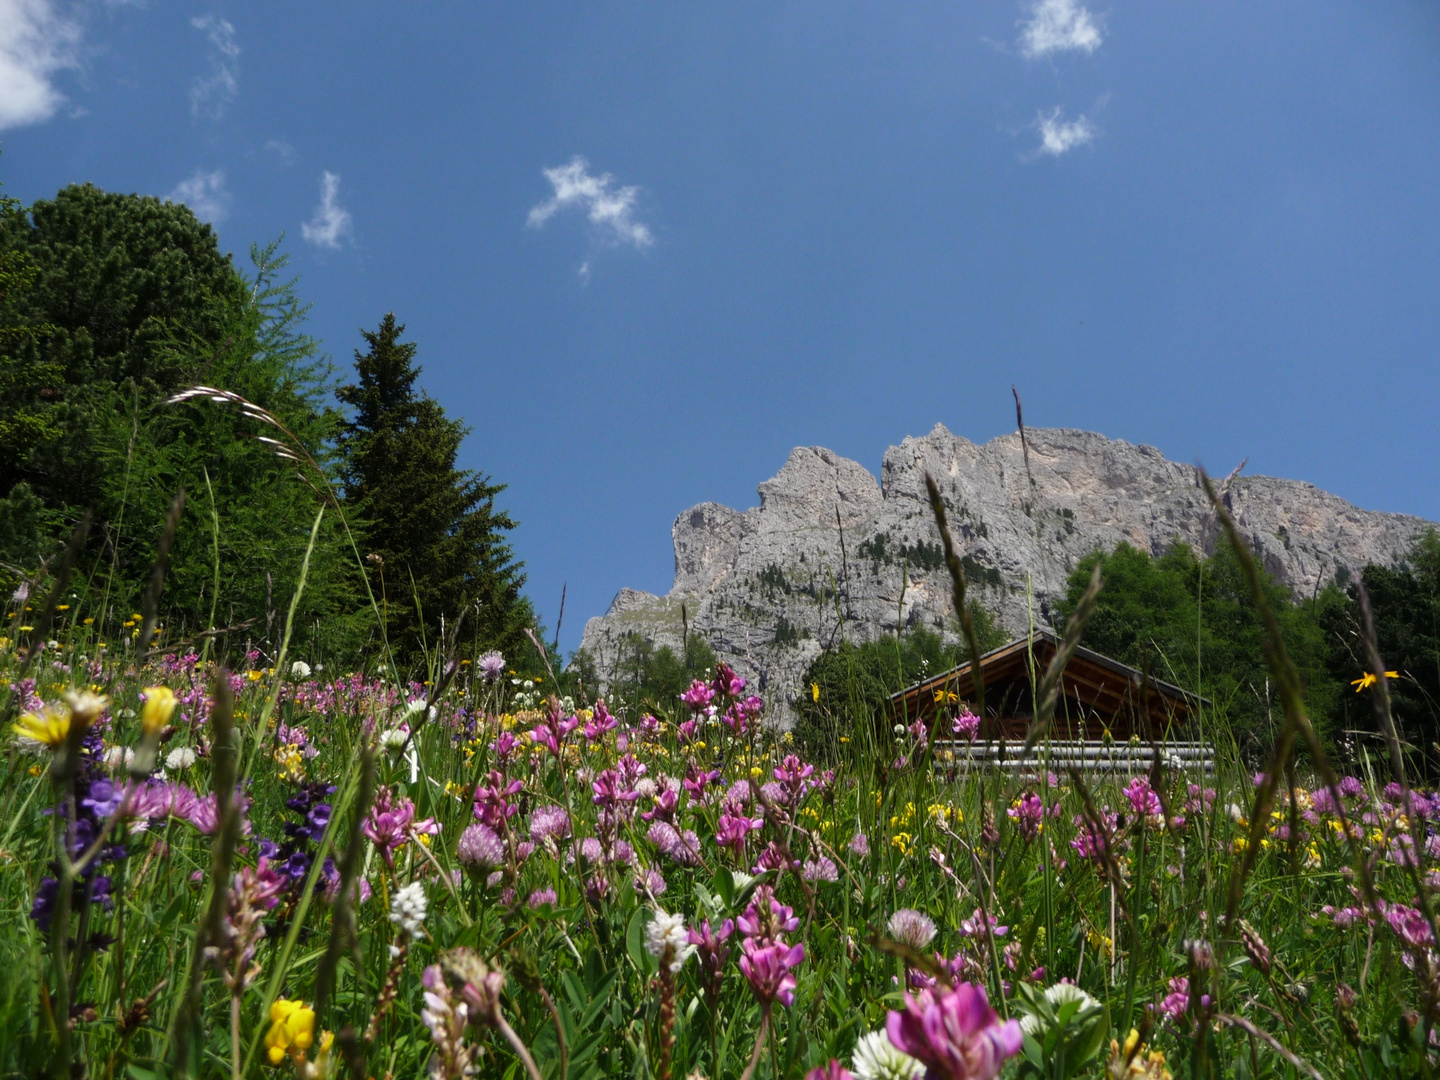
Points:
(435, 543)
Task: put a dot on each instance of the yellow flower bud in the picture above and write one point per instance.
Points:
(159, 706)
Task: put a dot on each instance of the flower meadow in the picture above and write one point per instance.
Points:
(280, 871)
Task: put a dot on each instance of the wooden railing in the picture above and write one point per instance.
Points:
(1088, 756)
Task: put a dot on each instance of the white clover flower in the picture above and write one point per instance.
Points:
(408, 908)
(666, 937)
(876, 1058)
(1058, 996)
(180, 758)
(299, 670)
(117, 757)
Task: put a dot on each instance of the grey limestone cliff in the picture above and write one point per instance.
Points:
(830, 551)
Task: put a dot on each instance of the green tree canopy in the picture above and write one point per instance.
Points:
(434, 541)
(1192, 621)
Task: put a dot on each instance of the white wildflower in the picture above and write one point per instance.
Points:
(876, 1058)
(1058, 996)
(299, 670)
(118, 757)
(408, 907)
(180, 759)
(666, 938)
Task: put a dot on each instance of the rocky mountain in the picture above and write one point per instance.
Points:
(830, 550)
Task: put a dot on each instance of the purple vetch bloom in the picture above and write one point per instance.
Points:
(821, 869)
(733, 829)
(391, 822)
(447, 1015)
(600, 724)
(911, 927)
(549, 823)
(480, 846)
(492, 801)
(710, 947)
(1177, 1000)
(103, 798)
(957, 1035)
(1410, 925)
(726, 683)
(611, 791)
(768, 969)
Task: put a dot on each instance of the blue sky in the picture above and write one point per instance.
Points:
(1213, 227)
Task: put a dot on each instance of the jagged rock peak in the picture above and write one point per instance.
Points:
(829, 550)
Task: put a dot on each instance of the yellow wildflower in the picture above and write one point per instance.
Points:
(159, 705)
(253, 675)
(1240, 846)
(815, 692)
(1369, 679)
(47, 727)
(903, 841)
(756, 772)
(292, 1029)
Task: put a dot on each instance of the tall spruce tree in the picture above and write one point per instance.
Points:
(435, 541)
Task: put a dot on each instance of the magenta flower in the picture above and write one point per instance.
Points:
(979, 924)
(611, 791)
(967, 726)
(1143, 800)
(832, 1071)
(1028, 813)
(727, 683)
(492, 805)
(687, 731)
(766, 919)
(768, 969)
(1409, 925)
(733, 829)
(697, 697)
(957, 1036)
(391, 822)
(600, 724)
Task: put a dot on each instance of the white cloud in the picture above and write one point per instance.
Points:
(1058, 136)
(331, 223)
(211, 95)
(282, 151)
(1058, 26)
(36, 42)
(205, 194)
(610, 208)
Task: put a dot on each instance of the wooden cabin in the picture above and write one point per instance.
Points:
(1099, 696)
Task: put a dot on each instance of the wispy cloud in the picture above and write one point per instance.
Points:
(36, 42)
(282, 152)
(610, 208)
(1059, 136)
(205, 194)
(211, 95)
(1058, 26)
(331, 223)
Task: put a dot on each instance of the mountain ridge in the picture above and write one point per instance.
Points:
(833, 549)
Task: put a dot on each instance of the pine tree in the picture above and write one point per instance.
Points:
(435, 541)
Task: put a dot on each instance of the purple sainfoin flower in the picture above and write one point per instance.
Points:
(957, 1036)
(600, 723)
(979, 924)
(795, 775)
(1410, 925)
(1177, 999)
(667, 804)
(769, 970)
(1028, 813)
(775, 857)
(1144, 802)
(821, 869)
(766, 919)
(549, 823)
(697, 697)
(911, 927)
(552, 732)
(504, 746)
(726, 683)
(1092, 842)
(492, 801)
(967, 726)
(686, 731)
(480, 846)
(391, 822)
(611, 791)
(712, 950)
(733, 829)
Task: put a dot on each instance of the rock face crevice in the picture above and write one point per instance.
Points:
(829, 551)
